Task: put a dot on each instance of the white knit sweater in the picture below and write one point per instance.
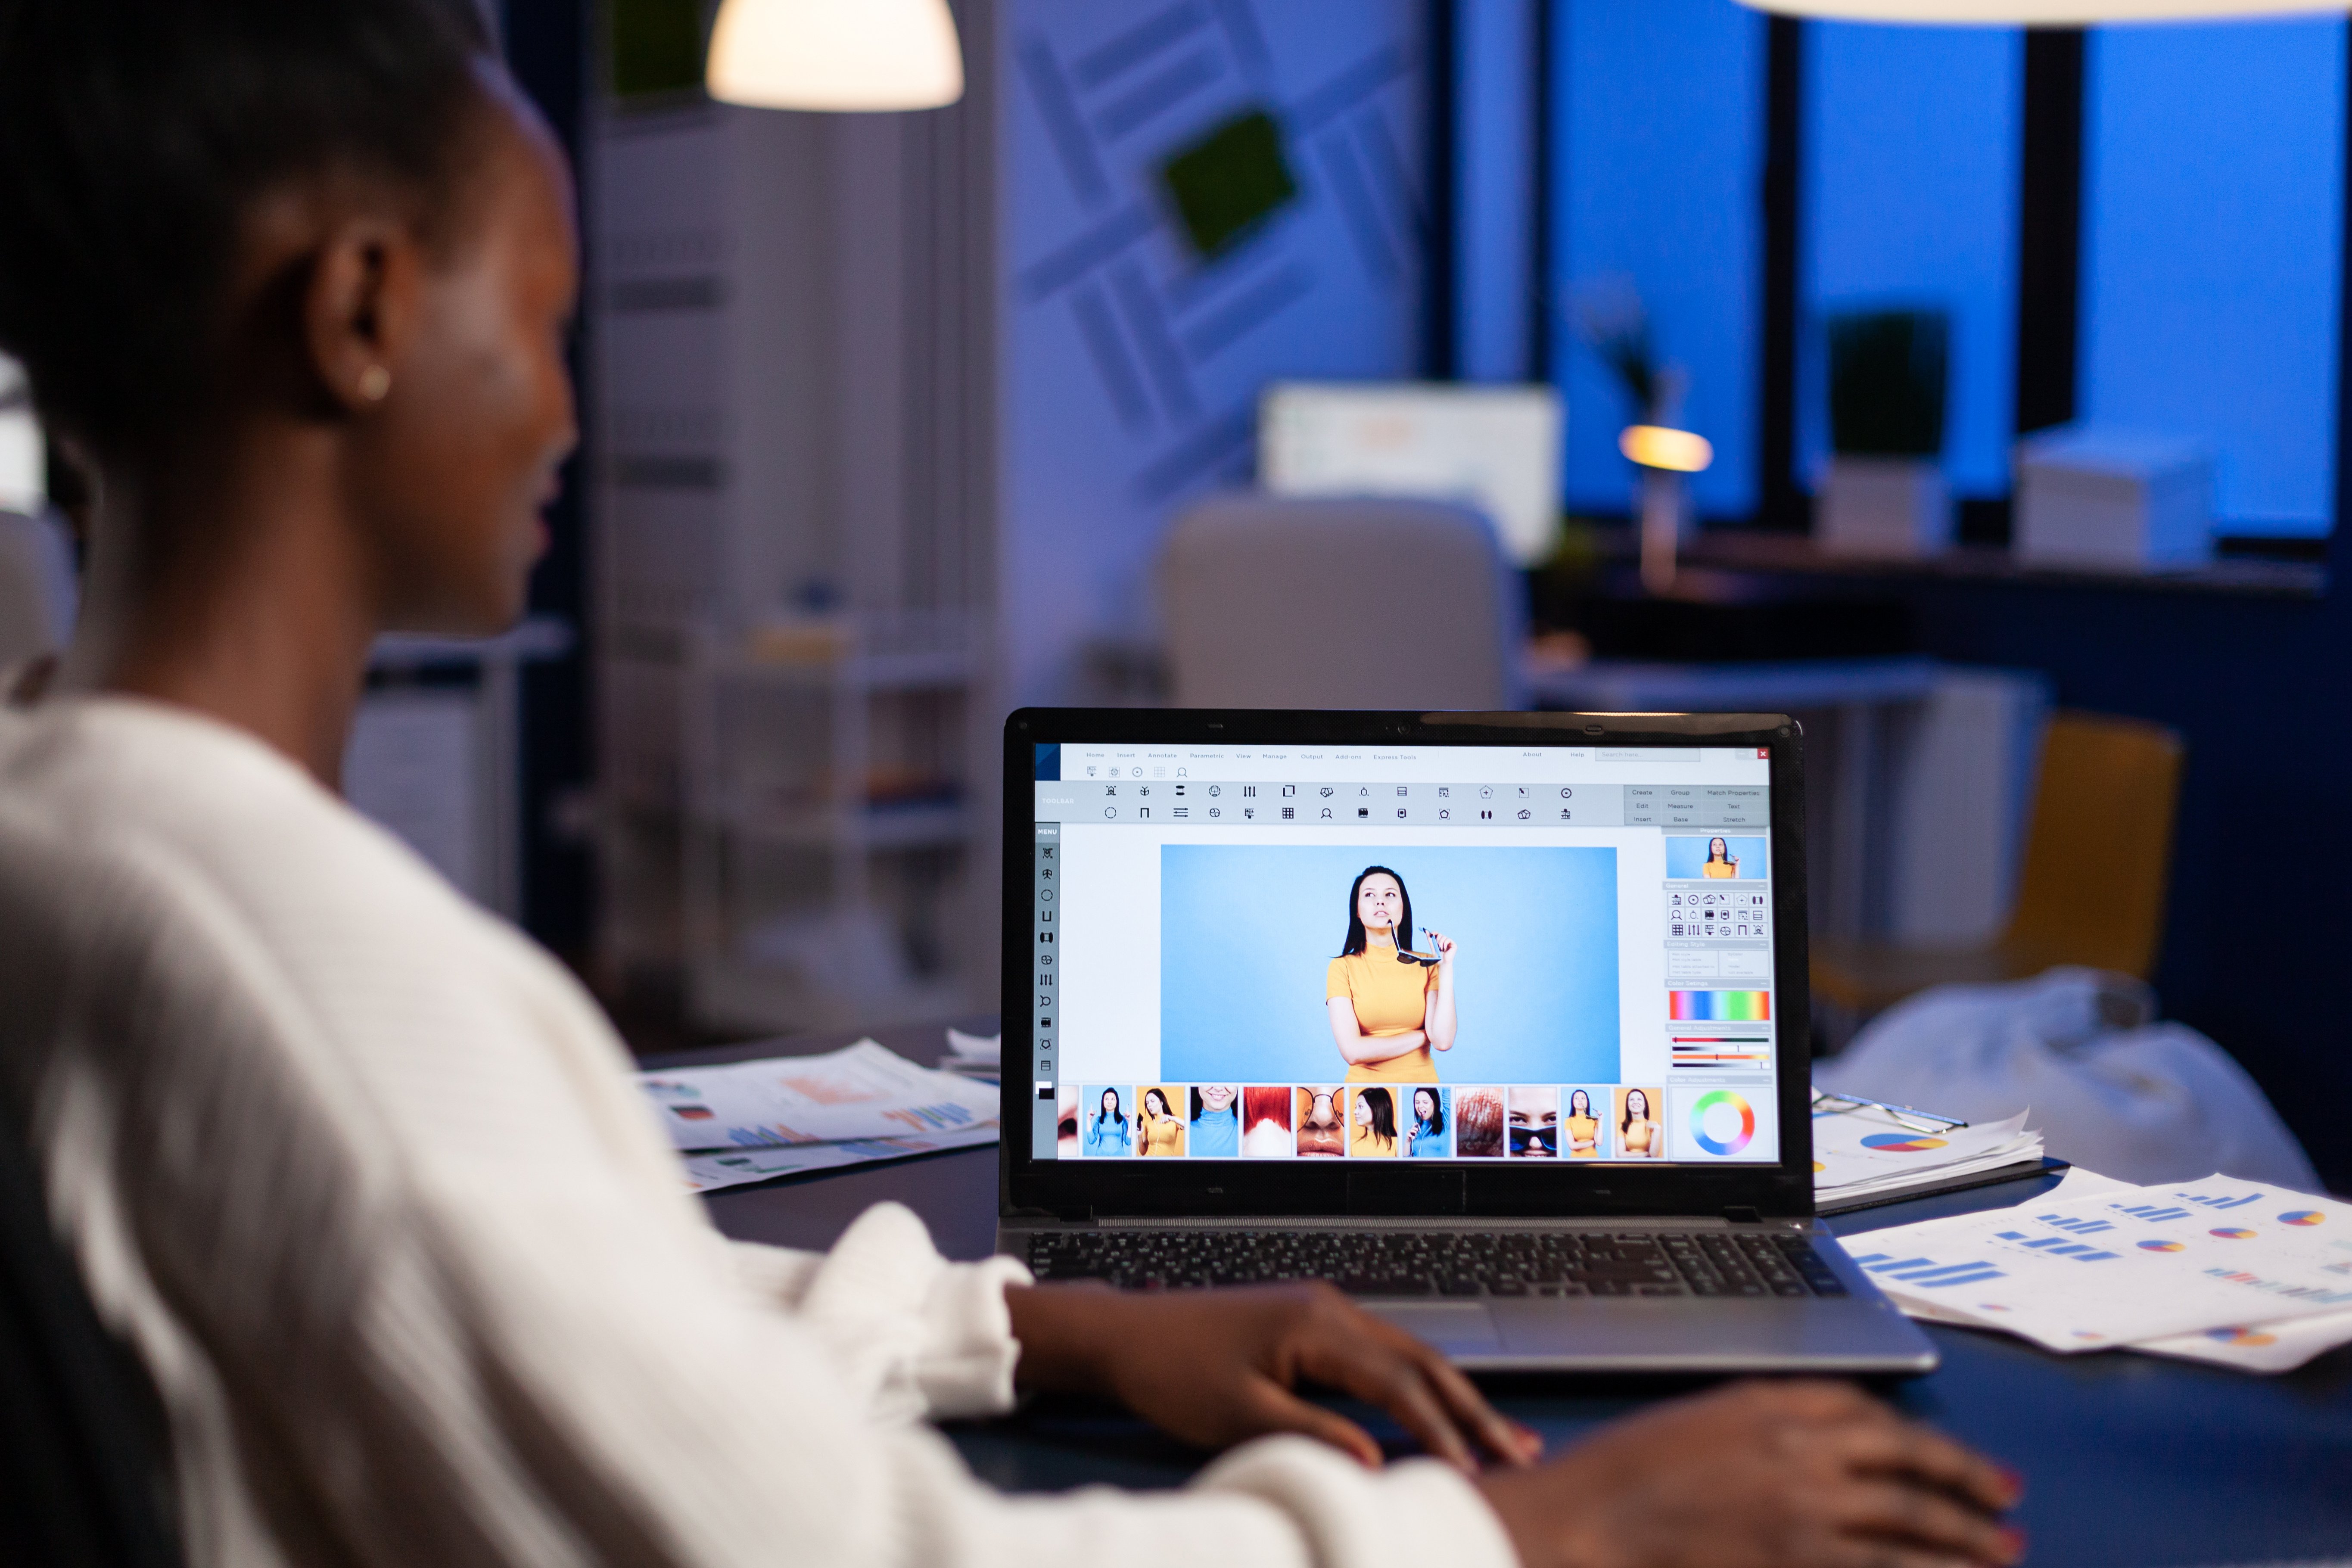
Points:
(362, 1176)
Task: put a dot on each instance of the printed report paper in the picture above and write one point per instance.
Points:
(861, 1092)
(2121, 1266)
(1865, 1150)
(709, 1172)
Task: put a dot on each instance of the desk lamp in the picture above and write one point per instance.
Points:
(834, 55)
(1664, 455)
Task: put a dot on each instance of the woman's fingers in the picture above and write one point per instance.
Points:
(1921, 1517)
(1891, 1446)
(1381, 1374)
(1271, 1407)
(1500, 1435)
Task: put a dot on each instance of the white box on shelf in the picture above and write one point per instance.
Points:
(2094, 495)
(1884, 506)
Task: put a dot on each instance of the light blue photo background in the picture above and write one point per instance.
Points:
(1247, 933)
(1688, 856)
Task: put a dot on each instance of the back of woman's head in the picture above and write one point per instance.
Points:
(136, 135)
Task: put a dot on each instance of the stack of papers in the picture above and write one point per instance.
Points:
(751, 1121)
(1864, 1153)
(2238, 1273)
(975, 1055)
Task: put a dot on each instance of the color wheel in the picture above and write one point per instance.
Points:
(2162, 1245)
(1901, 1142)
(2301, 1217)
(2232, 1232)
(1722, 1121)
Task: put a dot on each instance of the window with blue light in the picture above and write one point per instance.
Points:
(2212, 252)
(1909, 201)
(2192, 294)
(1660, 117)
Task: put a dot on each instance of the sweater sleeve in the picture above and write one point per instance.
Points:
(917, 1336)
(714, 1428)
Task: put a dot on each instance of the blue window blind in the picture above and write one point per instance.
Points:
(1909, 190)
(2212, 241)
(1660, 104)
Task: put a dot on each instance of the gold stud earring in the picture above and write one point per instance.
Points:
(376, 383)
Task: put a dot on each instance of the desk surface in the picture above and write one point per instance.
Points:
(2129, 1460)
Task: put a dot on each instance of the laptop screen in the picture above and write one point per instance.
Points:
(1411, 952)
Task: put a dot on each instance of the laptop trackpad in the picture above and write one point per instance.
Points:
(1457, 1327)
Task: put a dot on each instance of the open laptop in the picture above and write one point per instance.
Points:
(1496, 1020)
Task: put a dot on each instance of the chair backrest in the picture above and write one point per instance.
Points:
(2099, 853)
(1373, 602)
(81, 1435)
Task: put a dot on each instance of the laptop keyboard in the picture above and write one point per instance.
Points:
(1444, 1263)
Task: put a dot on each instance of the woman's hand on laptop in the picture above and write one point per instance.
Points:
(1218, 1367)
(1790, 1475)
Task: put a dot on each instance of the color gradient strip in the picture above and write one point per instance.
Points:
(1719, 1006)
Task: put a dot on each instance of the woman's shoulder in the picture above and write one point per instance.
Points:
(1340, 971)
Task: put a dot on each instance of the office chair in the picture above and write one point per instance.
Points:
(81, 1484)
(2097, 858)
(1370, 602)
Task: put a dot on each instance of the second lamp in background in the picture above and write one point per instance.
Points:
(835, 54)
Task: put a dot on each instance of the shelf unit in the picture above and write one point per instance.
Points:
(829, 825)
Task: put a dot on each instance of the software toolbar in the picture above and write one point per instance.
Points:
(1159, 803)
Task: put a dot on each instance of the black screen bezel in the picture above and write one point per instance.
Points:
(1079, 1189)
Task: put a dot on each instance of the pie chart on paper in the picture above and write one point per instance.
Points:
(1903, 1143)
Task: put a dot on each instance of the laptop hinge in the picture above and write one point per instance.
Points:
(1742, 1214)
(1083, 1215)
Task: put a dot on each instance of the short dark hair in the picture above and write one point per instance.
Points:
(135, 134)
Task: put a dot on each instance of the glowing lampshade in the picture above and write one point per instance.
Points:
(1658, 446)
(2037, 13)
(835, 54)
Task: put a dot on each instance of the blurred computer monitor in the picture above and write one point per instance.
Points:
(1495, 447)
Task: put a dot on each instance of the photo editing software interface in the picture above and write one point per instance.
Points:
(1449, 953)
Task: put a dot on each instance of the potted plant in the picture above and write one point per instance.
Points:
(1885, 493)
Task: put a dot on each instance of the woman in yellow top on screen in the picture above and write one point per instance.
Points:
(1390, 1005)
(1720, 860)
(1163, 1133)
(1583, 1128)
(1639, 1136)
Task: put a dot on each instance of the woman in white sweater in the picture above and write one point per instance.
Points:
(357, 1170)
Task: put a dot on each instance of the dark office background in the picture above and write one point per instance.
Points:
(2252, 683)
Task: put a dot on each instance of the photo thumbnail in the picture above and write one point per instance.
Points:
(1584, 1122)
(1105, 1128)
(1266, 1115)
(1396, 965)
(1535, 1122)
(1372, 1122)
(1159, 1130)
(1322, 1128)
(1640, 1125)
(1215, 1114)
(1428, 1121)
(1735, 857)
(1065, 1124)
(1478, 1123)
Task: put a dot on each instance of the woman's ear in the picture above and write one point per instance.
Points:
(362, 309)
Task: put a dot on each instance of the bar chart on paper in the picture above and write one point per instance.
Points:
(2134, 1265)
